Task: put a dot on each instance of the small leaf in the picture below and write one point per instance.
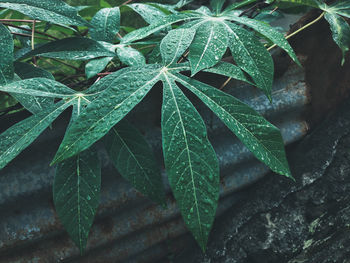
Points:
(95, 66)
(149, 13)
(53, 11)
(76, 194)
(251, 56)
(106, 24)
(6, 56)
(269, 32)
(174, 44)
(120, 96)
(340, 32)
(41, 87)
(130, 56)
(133, 158)
(18, 137)
(208, 47)
(190, 162)
(262, 138)
(228, 70)
(74, 48)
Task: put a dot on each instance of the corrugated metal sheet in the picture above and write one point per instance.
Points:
(128, 227)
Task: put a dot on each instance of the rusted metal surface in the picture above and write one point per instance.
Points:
(128, 227)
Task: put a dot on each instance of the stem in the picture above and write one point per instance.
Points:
(300, 29)
(126, 2)
(27, 35)
(33, 35)
(27, 29)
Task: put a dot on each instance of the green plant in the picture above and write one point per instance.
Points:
(175, 42)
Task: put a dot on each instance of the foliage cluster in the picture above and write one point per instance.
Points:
(176, 44)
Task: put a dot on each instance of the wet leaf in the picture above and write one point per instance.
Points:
(130, 56)
(106, 24)
(6, 55)
(134, 160)
(95, 66)
(208, 47)
(53, 11)
(149, 13)
(190, 162)
(228, 70)
(217, 5)
(262, 138)
(76, 194)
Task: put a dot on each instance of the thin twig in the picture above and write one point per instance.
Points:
(27, 35)
(28, 29)
(126, 2)
(33, 35)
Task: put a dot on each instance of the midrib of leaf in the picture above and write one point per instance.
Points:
(242, 44)
(187, 150)
(206, 46)
(47, 116)
(236, 121)
(117, 106)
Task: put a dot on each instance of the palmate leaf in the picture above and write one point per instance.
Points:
(53, 11)
(18, 137)
(120, 96)
(106, 24)
(149, 13)
(190, 161)
(341, 8)
(73, 48)
(262, 138)
(76, 194)
(6, 56)
(208, 47)
(130, 56)
(252, 57)
(228, 70)
(134, 160)
(340, 32)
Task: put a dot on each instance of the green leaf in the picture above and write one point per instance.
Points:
(154, 27)
(174, 44)
(208, 47)
(95, 66)
(251, 56)
(149, 13)
(6, 55)
(76, 194)
(53, 11)
(130, 56)
(18, 137)
(29, 71)
(217, 5)
(134, 160)
(74, 48)
(341, 7)
(228, 70)
(268, 32)
(106, 24)
(238, 5)
(262, 138)
(120, 96)
(190, 161)
(41, 87)
(340, 32)
(312, 3)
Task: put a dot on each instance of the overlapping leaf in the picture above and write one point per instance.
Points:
(149, 13)
(76, 194)
(133, 158)
(6, 57)
(53, 11)
(106, 23)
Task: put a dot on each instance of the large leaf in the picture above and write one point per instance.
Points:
(250, 55)
(74, 48)
(341, 7)
(134, 160)
(53, 11)
(262, 138)
(208, 47)
(340, 32)
(149, 13)
(269, 32)
(228, 70)
(174, 44)
(22, 134)
(76, 194)
(105, 24)
(130, 56)
(6, 55)
(190, 162)
(120, 96)
(41, 87)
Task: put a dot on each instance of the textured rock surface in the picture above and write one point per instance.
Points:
(282, 221)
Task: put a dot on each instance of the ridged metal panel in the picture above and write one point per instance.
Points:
(128, 227)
